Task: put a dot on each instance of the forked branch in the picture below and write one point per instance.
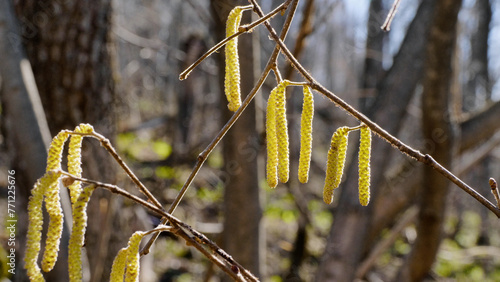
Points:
(395, 142)
(271, 65)
(183, 230)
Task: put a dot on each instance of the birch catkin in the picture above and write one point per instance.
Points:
(335, 163)
(35, 218)
(75, 157)
(76, 238)
(119, 265)
(364, 165)
(306, 135)
(53, 204)
(127, 260)
(55, 151)
(232, 80)
(282, 132)
(133, 256)
(272, 141)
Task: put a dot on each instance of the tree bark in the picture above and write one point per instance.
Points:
(373, 69)
(69, 47)
(438, 127)
(478, 89)
(25, 130)
(242, 235)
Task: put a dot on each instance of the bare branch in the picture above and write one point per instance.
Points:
(387, 24)
(204, 155)
(494, 191)
(242, 29)
(107, 145)
(196, 239)
(395, 142)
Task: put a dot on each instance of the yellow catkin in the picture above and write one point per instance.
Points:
(55, 150)
(272, 141)
(76, 238)
(282, 132)
(335, 163)
(54, 230)
(306, 135)
(127, 260)
(35, 218)
(119, 265)
(74, 158)
(133, 266)
(53, 203)
(364, 165)
(232, 80)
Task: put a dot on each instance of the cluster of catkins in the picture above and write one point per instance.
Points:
(126, 263)
(336, 161)
(277, 131)
(278, 147)
(277, 136)
(46, 190)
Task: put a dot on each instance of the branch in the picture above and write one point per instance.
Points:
(204, 155)
(387, 24)
(426, 159)
(480, 127)
(107, 145)
(242, 29)
(196, 239)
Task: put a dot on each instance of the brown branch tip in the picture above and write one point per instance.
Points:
(494, 191)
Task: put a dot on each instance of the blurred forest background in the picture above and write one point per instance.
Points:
(432, 81)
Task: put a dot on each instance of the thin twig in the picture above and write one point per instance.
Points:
(494, 191)
(197, 239)
(204, 155)
(242, 29)
(392, 12)
(107, 145)
(382, 133)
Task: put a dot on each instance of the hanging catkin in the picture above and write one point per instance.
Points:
(76, 238)
(232, 80)
(282, 132)
(53, 203)
(75, 157)
(364, 165)
(35, 218)
(335, 163)
(306, 134)
(272, 141)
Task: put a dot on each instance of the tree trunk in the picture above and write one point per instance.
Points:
(70, 50)
(473, 131)
(242, 237)
(478, 89)
(25, 129)
(438, 127)
(373, 69)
